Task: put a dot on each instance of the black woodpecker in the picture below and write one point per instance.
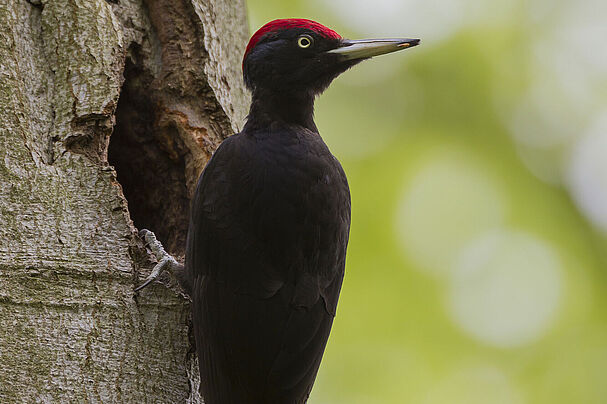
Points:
(266, 246)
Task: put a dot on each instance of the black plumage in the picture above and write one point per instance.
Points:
(269, 227)
(266, 248)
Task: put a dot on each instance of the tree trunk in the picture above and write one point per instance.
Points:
(104, 102)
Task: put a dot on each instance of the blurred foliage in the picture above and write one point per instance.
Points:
(474, 274)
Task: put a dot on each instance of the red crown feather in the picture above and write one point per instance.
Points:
(286, 23)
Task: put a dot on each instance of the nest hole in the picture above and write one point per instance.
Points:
(150, 171)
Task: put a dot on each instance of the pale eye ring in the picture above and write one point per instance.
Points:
(305, 41)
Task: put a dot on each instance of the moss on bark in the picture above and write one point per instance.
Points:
(71, 329)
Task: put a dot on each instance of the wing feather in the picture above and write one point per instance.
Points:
(266, 252)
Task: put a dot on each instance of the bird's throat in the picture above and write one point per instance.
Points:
(269, 108)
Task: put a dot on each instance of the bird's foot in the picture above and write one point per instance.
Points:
(165, 261)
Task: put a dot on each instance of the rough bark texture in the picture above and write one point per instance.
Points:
(149, 87)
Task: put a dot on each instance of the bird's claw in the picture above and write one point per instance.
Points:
(165, 260)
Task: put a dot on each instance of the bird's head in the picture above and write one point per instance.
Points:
(303, 56)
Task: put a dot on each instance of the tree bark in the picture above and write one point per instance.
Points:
(149, 87)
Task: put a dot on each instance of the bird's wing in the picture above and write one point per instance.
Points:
(220, 243)
(266, 277)
(257, 228)
(322, 245)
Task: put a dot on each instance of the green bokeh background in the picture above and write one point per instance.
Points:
(477, 264)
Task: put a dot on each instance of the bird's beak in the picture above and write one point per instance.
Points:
(366, 48)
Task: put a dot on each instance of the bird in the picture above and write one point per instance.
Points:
(269, 224)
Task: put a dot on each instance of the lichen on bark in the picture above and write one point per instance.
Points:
(71, 329)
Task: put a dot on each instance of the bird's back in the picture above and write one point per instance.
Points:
(266, 252)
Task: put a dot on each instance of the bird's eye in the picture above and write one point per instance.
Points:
(305, 41)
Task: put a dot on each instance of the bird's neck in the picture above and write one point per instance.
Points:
(270, 107)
